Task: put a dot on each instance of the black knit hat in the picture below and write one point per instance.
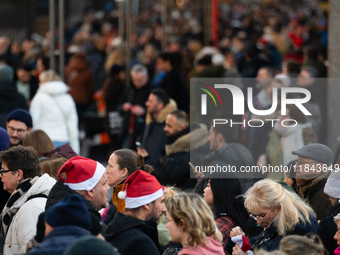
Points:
(21, 115)
(70, 211)
(116, 69)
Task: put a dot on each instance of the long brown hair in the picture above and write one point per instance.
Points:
(40, 141)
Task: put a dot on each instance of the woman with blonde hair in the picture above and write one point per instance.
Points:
(190, 222)
(53, 111)
(279, 211)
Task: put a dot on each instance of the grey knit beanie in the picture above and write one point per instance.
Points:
(332, 186)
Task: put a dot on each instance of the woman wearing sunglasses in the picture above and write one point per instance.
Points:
(279, 211)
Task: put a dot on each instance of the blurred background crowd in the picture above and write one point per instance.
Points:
(288, 38)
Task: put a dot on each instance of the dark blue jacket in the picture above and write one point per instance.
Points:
(58, 240)
(269, 239)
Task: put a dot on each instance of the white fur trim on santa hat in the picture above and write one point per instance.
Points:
(122, 194)
(89, 183)
(135, 202)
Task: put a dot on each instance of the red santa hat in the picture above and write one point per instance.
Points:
(140, 188)
(81, 173)
(242, 241)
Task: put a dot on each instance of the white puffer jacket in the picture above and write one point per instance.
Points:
(24, 223)
(54, 111)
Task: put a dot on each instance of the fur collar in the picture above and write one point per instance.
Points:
(197, 137)
(170, 107)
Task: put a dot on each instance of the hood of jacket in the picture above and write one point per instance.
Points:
(53, 88)
(196, 138)
(65, 150)
(122, 223)
(8, 89)
(211, 247)
(170, 107)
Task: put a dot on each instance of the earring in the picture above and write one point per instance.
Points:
(17, 182)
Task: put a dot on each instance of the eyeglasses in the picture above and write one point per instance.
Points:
(299, 163)
(5, 171)
(326, 196)
(19, 131)
(259, 218)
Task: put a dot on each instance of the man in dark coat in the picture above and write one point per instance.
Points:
(158, 106)
(183, 140)
(135, 233)
(311, 176)
(133, 107)
(66, 221)
(87, 178)
(327, 225)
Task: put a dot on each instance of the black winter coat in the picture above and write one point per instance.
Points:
(132, 236)
(135, 97)
(328, 229)
(154, 137)
(173, 83)
(176, 169)
(315, 197)
(10, 100)
(154, 140)
(59, 191)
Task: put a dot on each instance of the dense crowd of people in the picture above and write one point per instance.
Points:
(54, 200)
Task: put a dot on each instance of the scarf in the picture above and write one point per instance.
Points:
(306, 183)
(14, 204)
(337, 251)
(264, 99)
(291, 139)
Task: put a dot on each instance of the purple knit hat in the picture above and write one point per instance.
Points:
(4, 139)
